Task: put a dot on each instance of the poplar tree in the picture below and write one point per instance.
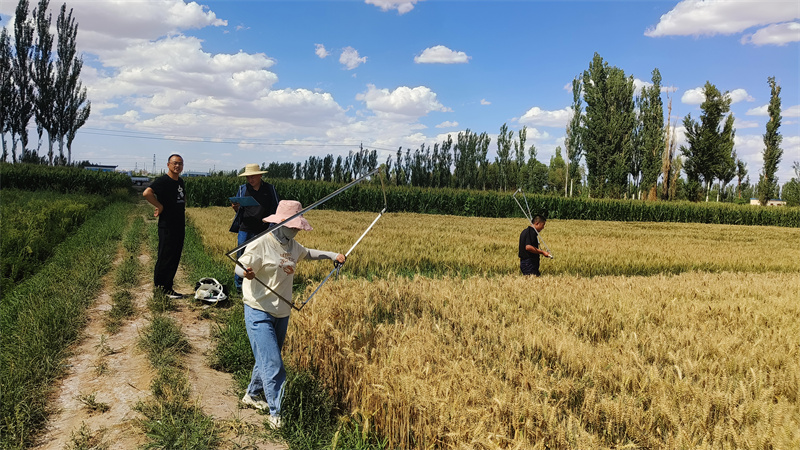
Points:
(741, 172)
(520, 168)
(23, 85)
(572, 140)
(556, 173)
(651, 134)
(72, 107)
(43, 78)
(768, 183)
(503, 158)
(608, 127)
(7, 92)
(707, 142)
(669, 153)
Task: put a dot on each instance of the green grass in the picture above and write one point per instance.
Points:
(163, 342)
(122, 308)
(172, 420)
(43, 316)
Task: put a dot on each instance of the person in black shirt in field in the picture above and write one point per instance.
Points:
(529, 251)
(247, 222)
(168, 194)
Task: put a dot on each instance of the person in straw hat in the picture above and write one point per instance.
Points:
(247, 222)
(273, 259)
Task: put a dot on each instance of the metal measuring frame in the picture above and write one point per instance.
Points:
(529, 216)
(230, 254)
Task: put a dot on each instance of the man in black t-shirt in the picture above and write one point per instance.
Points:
(168, 194)
(529, 247)
(247, 222)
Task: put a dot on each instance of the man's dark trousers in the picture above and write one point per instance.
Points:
(170, 246)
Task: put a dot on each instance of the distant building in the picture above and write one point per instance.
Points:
(773, 202)
(99, 168)
(194, 174)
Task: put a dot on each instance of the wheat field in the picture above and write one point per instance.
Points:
(636, 336)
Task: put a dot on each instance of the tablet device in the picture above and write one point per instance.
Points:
(244, 201)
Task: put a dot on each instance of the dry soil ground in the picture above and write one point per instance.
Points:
(109, 369)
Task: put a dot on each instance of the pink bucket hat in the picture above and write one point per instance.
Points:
(286, 209)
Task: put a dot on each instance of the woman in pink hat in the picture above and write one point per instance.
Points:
(272, 259)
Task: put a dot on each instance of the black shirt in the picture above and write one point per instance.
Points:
(528, 237)
(172, 195)
(251, 216)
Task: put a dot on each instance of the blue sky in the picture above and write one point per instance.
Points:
(226, 83)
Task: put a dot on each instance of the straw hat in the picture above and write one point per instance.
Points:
(286, 209)
(252, 169)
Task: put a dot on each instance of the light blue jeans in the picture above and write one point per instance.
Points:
(267, 334)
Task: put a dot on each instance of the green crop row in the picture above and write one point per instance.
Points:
(368, 196)
(63, 179)
(33, 224)
(43, 316)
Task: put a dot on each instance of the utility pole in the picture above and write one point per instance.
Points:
(154, 163)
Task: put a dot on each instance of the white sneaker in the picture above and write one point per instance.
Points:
(257, 404)
(274, 421)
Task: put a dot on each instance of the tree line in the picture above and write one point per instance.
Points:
(617, 145)
(40, 80)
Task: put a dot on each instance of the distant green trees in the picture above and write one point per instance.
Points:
(40, 84)
(607, 128)
(628, 147)
(791, 189)
(709, 154)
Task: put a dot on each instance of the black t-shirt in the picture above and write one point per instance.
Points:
(251, 216)
(172, 195)
(528, 237)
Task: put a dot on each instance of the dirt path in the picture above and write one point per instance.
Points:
(109, 371)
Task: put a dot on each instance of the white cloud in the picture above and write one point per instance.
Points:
(485, 102)
(758, 111)
(792, 111)
(320, 51)
(775, 34)
(179, 64)
(440, 54)
(134, 22)
(707, 17)
(401, 6)
(403, 101)
(742, 124)
(534, 134)
(538, 116)
(693, 96)
(668, 89)
(740, 95)
(350, 58)
(447, 124)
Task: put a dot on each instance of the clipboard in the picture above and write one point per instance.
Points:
(244, 201)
